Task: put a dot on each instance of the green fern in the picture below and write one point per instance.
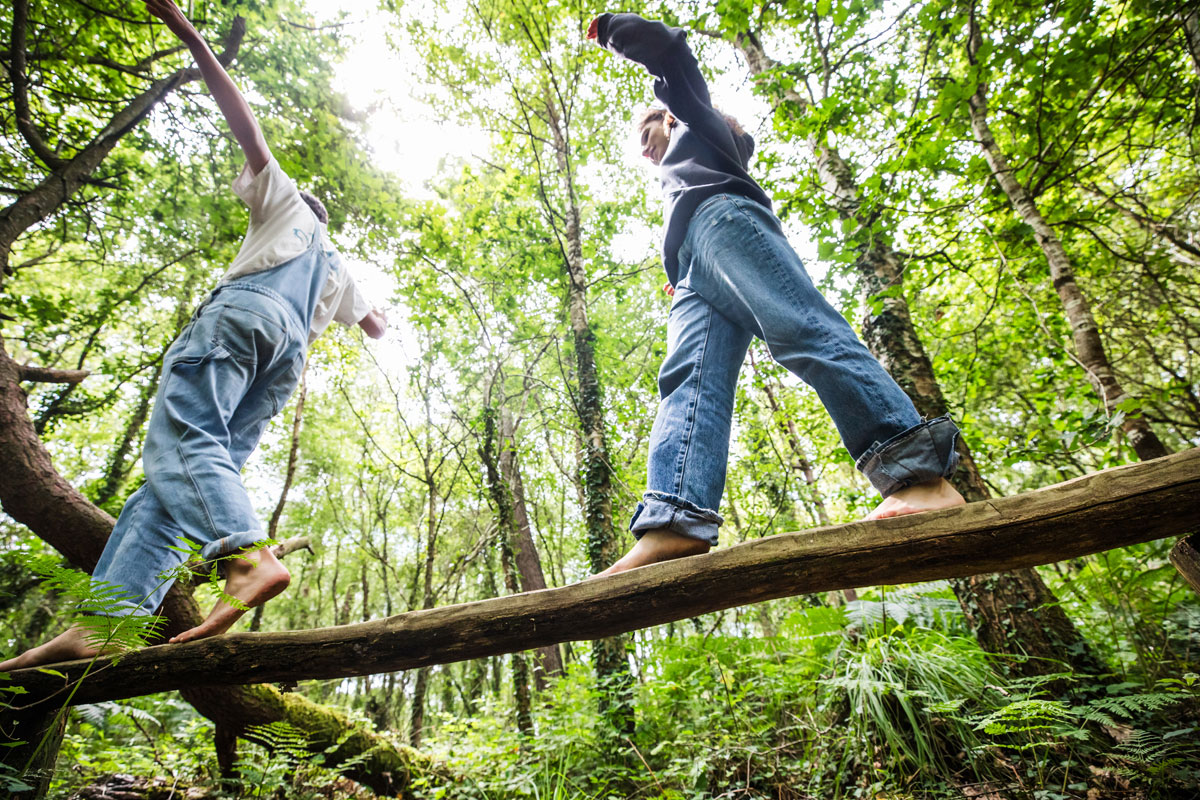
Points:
(1029, 717)
(97, 713)
(1111, 710)
(101, 607)
(286, 746)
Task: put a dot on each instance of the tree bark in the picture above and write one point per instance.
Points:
(1089, 348)
(1112, 508)
(1185, 555)
(507, 532)
(416, 724)
(529, 564)
(1191, 36)
(892, 338)
(603, 546)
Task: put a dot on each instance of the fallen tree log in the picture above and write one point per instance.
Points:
(1117, 507)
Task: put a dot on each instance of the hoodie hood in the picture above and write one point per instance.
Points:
(745, 146)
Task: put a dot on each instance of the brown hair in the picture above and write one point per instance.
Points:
(656, 114)
(316, 205)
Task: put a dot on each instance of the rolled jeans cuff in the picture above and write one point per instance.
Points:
(232, 543)
(922, 453)
(659, 510)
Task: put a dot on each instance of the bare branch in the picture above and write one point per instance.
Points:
(47, 375)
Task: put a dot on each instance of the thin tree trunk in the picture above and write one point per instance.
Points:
(416, 727)
(787, 427)
(1089, 347)
(293, 455)
(119, 463)
(603, 546)
(548, 663)
(506, 525)
(1005, 609)
(289, 476)
(1191, 35)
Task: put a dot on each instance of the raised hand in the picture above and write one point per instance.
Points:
(172, 17)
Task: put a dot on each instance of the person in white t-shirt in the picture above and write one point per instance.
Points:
(231, 369)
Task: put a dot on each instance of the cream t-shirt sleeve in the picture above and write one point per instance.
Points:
(352, 306)
(282, 226)
(341, 299)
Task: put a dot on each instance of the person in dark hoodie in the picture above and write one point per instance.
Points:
(733, 276)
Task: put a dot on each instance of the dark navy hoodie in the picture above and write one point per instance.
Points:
(704, 157)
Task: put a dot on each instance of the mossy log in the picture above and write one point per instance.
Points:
(1117, 507)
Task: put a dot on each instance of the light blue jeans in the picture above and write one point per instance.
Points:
(739, 278)
(232, 368)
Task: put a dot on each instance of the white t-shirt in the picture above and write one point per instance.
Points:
(282, 226)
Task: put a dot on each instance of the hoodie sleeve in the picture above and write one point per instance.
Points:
(665, 54)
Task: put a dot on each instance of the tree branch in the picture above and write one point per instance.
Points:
(20, 89)
(27, 372)
(66, 178)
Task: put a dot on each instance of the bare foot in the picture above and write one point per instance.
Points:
(929, 496)
(252, 578)
(654, 546)
(75, 642)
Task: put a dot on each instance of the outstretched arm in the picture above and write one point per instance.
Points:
(237, 112)
(374, 324)
(664, 52)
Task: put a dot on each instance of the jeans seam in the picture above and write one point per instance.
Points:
(693, 402)
(187, 468)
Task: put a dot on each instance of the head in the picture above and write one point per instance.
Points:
(316, 205)
(654, 131)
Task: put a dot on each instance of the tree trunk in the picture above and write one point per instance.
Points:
(548, 663)
(603, 546)
(1191, 36)
(506, 529)
(1089, 348)
(416, 725)
(293, 455)
(787, 427)
(119, 463)
(892, 338)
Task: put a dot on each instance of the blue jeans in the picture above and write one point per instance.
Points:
(232, 368)
(739, 278)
